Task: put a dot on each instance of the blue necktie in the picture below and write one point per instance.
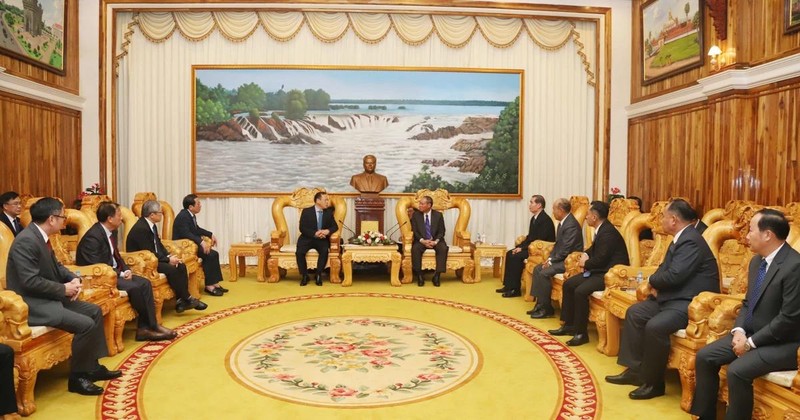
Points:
(751, 301)
(319, 220)
(427, 227)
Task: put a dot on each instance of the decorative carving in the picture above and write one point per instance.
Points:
(718, 9)
(371, 254)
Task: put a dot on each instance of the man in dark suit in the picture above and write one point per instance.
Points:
(428, 227)
(699, 226)
(8, 398)
(99, 246)
(186, 227)
(316, 226)
(144, 237)
(607, 250)
(568, 240)
(12, 208)
(540, 228)
(688, 269)
(766, 334)
(51, 293)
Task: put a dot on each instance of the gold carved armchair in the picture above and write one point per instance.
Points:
(282, 249)
(184, 249)
(461, 255)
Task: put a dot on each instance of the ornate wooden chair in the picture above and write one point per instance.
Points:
(185, 249)
(539, 251)
(461, 255)
(282, 249)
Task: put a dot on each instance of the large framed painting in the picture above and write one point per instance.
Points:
(34, 31)
(671, 39)
(264, 131)
(791, 15)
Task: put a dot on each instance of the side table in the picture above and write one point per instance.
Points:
(498, 253)
(239, 251)
(372, 254)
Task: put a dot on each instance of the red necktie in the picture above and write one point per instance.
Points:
(115, 252)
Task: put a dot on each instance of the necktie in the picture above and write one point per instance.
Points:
(319, 220)
(155, 237)
(117, 258)
(751, 300)
(558, 229)
(194, 220)
(18, 226)
(428, 227)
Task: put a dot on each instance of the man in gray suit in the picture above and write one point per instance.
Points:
(568, 240)
(688, 269)
(766, 334)
(51, 293)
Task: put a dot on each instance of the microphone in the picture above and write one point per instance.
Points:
(396, 230)
(390, 231)
(348, 229)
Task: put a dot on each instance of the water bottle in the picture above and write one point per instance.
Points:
(78, 274)
(255, 237)
(639, 278)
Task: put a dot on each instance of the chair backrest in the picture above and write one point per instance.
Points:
(661, 239)
(300, 199)
(167, 222)
(727, 212)
(6, 238)
(727, 239)
(580, 208)
(442, 201)
(621, 211)
(75, 219)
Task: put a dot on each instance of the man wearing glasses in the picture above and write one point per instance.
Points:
(51, 293)
(12, 207)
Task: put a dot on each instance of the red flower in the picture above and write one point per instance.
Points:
(342, 392)
(428, 376)
(376, 352)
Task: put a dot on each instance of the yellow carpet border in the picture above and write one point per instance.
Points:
(578, 394)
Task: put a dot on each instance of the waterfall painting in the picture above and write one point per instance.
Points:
(265, 131)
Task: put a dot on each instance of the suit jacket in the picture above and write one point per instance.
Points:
(776, 309)
(141, 238)
(608, 249)
(185, 228)
(539, 229)
(701, 227)
(437, 225)
(5, 220)
(95, 249)
(34, 273)
(688, 269)
(308, 222)
(568, 240)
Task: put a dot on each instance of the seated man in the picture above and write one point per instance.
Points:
(144, 237)
(316, 226)
(607, 250)
(99, 246)
(568, 240)
(688, 269)
(186, 227)
(540, 228)
(766, 334)
(8, 398)
(12, 208)
(428, 228)
(51, 293)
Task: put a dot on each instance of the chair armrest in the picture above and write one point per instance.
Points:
(795, 381)
(276, 240)
(463, 239)
(14, 328)
(571, 266)
(617, 277)
(98, 276)
(142, 263)
(721, 320)
(519, 240)
(539, 251)
(701, 312)
(335, 239)
(181, 248)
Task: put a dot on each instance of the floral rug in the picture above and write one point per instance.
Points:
(363, 362)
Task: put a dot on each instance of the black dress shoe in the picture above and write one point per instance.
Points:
(144, 334)
(318, 279)
(578, 340)
(214, 292)
(164, 330)
(501, 290)
(436, 280)
(543, 313)
(535, 308)
(182, 305)
(563, 330)
(646, 392)
(102, 374)
(628, 377)
(304, 280)
(420, 280)
(512, 293)
(83, 386)
(224, 290)
(198, 304)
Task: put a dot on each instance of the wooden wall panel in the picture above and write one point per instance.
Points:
(70, 81)
(741, 145)
(42, 148)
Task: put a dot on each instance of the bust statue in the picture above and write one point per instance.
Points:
(369, 181)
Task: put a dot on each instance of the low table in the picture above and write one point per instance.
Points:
(496, 251)
(370, 254)
(240, 251)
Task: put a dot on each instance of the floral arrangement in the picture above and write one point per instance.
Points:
(93, 189)
(370, 238)
(613, 193)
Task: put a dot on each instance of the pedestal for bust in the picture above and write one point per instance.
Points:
(369, 213)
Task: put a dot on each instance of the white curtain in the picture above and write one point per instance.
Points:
(154, 93)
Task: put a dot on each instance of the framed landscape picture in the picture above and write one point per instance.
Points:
(264, 131)
(33, 31)
(672, 38)
(791, 15)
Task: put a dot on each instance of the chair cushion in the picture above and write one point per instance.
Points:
(40, 331)
(783, 378)
(292, 248)
(559, 276)
(598, 294)
(680, 333)
(451, 249)
(123, 293)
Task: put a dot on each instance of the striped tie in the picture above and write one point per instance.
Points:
(751, 300)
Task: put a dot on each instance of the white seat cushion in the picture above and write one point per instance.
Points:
(783, 378)
(559, 276)
(680, 333)
(452, 249)
(292, 248)
(598, 294)
(123, 293)
(40, 331)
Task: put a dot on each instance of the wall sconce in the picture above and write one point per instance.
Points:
(714, 52)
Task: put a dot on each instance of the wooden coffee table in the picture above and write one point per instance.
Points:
(498, 253)
(240, 251)
(371, 254)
